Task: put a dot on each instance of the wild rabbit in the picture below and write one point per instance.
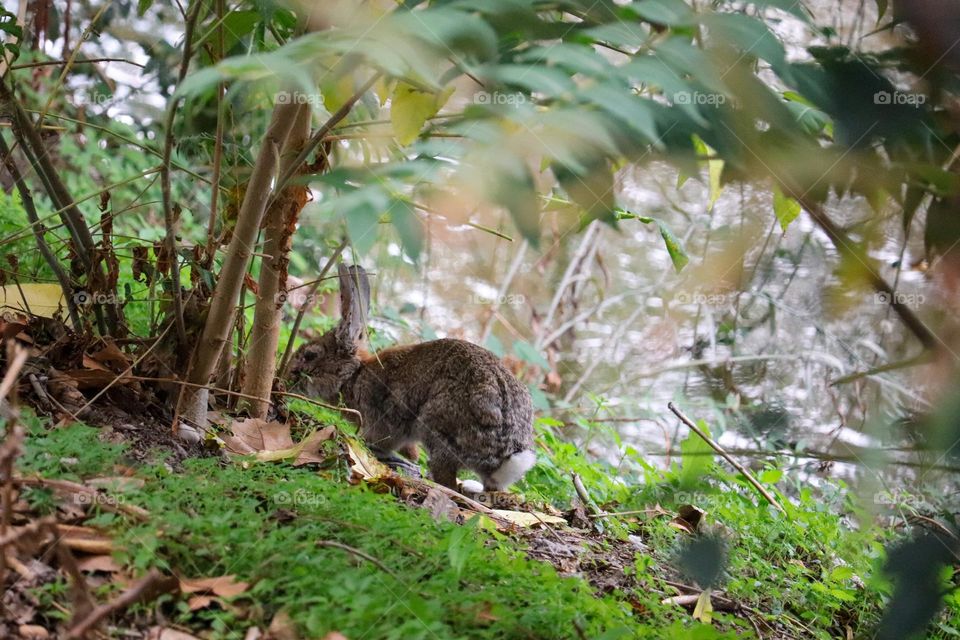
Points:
(456, 398)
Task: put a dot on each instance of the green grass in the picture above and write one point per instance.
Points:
(811, 573)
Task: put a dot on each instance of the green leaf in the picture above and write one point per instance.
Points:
(677, 253)
(404, 218)
(143, 6)
(670, 13)
(593, 191)
(785, 208)
(714, 169)
(625, 106)
(770, 476)
(458, 548)
(410, 108)
(528, 353)
(535, 79)
(749, 35)
(696, 456)
(512, 186)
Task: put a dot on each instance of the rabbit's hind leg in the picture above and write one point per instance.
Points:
(443, 466)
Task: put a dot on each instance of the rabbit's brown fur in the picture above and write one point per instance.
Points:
(455, 397)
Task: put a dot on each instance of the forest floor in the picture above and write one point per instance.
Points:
(292, 531)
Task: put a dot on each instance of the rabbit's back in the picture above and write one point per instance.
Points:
(454, 396)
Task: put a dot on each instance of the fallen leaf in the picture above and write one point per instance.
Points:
(528, 518)
(103, 563)
(196, 603)
(311, 447)
(223, 586)
(688, 518)
(363, 466)
(253, 435)
(282, 628)
(163, 633)
(33, 632)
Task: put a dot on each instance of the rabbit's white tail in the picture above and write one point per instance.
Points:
(512, 469)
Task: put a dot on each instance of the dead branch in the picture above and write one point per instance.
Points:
(726, 456)
(147, 588)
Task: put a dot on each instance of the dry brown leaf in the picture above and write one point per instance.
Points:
(311, 448)
(99, 563)
(33, 632)
(688, 518)
(164, 633)
(111, 356)
(195, 603)
(254, 435)
(282, 627)
(223, 586)
(363, 466)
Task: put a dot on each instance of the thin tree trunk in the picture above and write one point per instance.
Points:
(278, 233)
(193, 400)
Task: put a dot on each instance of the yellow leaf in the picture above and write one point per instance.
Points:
(410, 108)
(714, 169)
(704, 609)
(41, 299)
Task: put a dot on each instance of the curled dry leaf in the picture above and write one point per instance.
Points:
(102, 563)
(271, 441)
(224, 586)
(164, 633)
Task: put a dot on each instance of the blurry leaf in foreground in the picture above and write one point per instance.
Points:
(915, 566)
(410, 108)
(702, 559)
(408, 225)
(593, 191)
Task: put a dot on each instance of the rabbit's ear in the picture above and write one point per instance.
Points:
(354, 304)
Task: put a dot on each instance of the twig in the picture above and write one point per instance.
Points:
(353, 412)
(20, 356)
(846, 246)
(301, 312)
(584, 496)
(726, 456)
(332, 544)
(11, 448)
(139, 513)
(83, 602)
(150, 586)
(170, 240)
